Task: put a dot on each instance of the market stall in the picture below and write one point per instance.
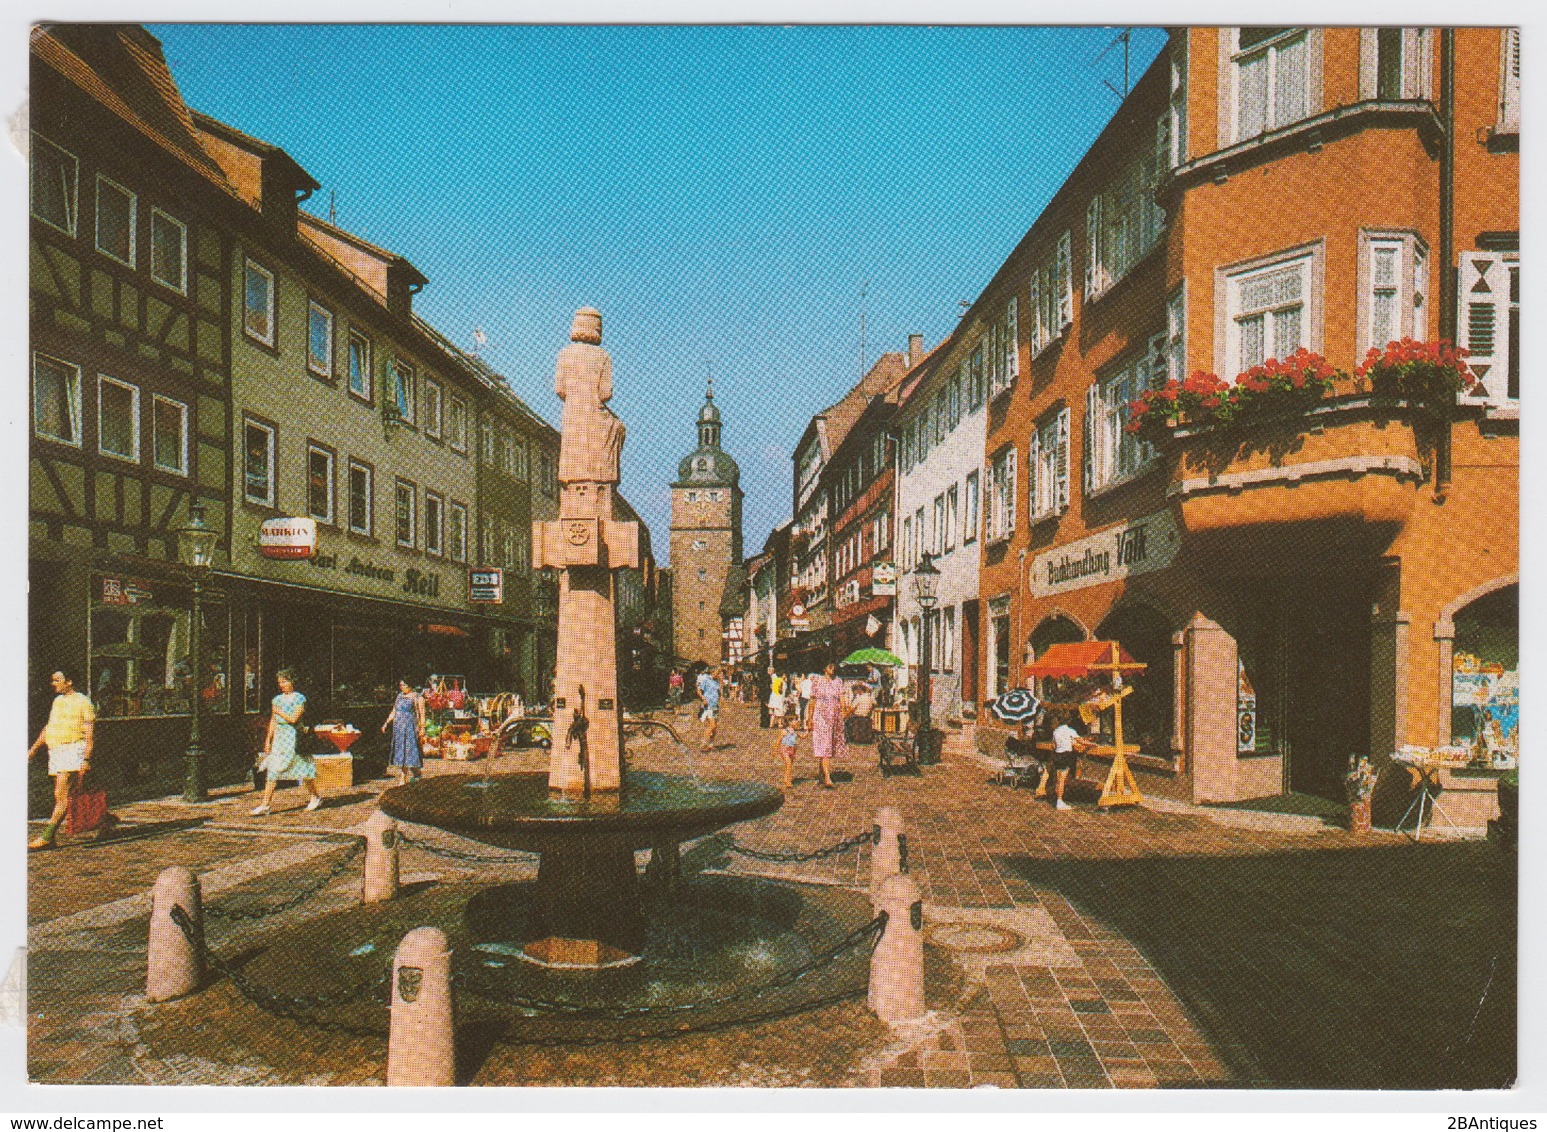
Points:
(1088, 675)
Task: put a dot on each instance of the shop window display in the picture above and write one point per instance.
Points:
(139, 650)
(1485, 679)
(362, 667)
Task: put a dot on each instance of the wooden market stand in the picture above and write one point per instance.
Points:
(1087, 658)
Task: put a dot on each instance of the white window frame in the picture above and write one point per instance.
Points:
(1484, 297)
(1123, 224)
(315, 449)
(972, 510)
(456, 542)
(1229, 283)
(1176, 334)
(1012, 337)
(1176, 111)
(1052, 294)
(406, 408)
(370, 498)
(1509, 81)
(250, 268)
(937, 527)
(434, 407)
(1270, 50)
(1417, 51)
(157, 400)
(134, 405)
(398, 487)
(73, 189)
(1408, 286)
(322, 367)
(134, 221)
(1000, 475)
(952, 516)
(486, 442)
(181, 286)
(267, 499)
(366, 369)
(434, 523)
(1113, 455)
(906, 546)
(72, 399)
(1048, 460)
(456, 424)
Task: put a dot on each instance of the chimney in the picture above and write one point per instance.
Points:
(915, 349)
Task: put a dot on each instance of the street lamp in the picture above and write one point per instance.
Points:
(926, 589)
(196, 550)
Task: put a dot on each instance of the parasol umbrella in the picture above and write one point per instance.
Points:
(1015, 706)
(874, 656)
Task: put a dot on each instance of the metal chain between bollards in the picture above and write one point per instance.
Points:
(299, 898)
(869, 933)
(511, 857)
(275, 1003)
(869, 837)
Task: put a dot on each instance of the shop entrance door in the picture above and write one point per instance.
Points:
(1327, 645)
(969, 652)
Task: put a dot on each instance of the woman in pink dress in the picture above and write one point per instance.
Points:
(829, 704)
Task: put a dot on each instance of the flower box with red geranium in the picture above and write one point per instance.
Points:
(1203, 400)
(1429, 372)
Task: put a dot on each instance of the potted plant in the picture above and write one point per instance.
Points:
(1359, 782)
(1203, 400)
(1429, 372)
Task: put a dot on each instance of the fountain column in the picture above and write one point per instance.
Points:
(587, 544)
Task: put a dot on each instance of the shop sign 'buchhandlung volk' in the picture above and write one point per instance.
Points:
(1135, 547)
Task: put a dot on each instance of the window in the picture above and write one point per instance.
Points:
(952, 515)
(937, 531)
(1394, 63)
(941, 415)
(1509, 83)
(1049, 461)
(1489, 320)
(56, 400)
(404, 501)
(1000, 476)
(970, 510)
(485, 541)
(518, 458)
(456, 424)
(548, 474)
(258, 299)
(1175, 148)
(1113, 454)
(359, 365)
(118, 419)
(920, 542)
(948, 639)
(883, 536)
(972, 370)
(432, 414)
(907, 542)
(434, 523)
(1176, 336)
(319, 483)
(456, 532)
(258, 463)
(1052, 295)
(1272, 79)
(507, 452)
(1123, 224)
(319, 339)
(362, 497)
(486, 442)
(139, 649)
(55, 177)
(169, 435)
(1267, 313)
(1388, 63)
(116, 208)
(1011, 340)
(168, 251)
(403, 400)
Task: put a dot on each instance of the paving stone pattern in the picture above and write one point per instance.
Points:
(1165, 946)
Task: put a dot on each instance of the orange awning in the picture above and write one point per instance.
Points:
(1077, 658)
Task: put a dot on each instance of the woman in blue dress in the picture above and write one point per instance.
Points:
(407, 723)
(281, 758)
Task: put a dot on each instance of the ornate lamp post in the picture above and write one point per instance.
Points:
(926, 588)
(196, 550)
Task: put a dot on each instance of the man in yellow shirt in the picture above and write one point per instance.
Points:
(68, 735)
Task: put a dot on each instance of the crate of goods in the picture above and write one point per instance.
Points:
(457, 742)
(335, 774)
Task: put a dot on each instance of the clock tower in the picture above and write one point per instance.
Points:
(705, 541)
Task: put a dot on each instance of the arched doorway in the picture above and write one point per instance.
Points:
(1485, 666)
(1148, 715)
(1056, 629)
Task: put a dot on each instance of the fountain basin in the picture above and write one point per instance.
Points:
(587, 910)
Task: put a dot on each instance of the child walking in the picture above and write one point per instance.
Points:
(786, 749)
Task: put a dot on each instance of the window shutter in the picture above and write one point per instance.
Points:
(1509, 101)
(1065, 281)
(1009, 495)
(1483, 321)
(1034, 474)
(1061, 461)
(1036, 310)
(1092, 408)
(1013, 333)
(1093, 246)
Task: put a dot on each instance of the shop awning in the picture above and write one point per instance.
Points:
(1080, 658)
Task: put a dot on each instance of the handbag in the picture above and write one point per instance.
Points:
(260, 777)
(87, 812)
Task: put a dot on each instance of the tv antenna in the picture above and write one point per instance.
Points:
(1124, 38)
(332, 206)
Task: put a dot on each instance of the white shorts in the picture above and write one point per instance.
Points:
(66, 757)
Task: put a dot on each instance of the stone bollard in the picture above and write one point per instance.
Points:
(381, 859)
(889, 855)
(897, 964)
(419, 1044)
(174, 964)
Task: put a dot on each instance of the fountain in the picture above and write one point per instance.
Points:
(588, 814)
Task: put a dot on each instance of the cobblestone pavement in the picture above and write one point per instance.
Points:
(1168, 945)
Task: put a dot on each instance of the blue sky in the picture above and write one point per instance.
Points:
(721, 194)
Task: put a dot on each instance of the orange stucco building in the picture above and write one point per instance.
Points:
(1319, 582)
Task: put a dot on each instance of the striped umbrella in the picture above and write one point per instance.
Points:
(1016, 706)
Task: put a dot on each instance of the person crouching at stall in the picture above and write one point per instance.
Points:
(282, 757)
(407, 723)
